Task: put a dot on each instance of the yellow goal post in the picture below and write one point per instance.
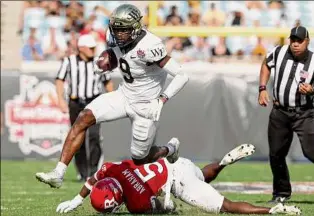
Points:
(187, 31)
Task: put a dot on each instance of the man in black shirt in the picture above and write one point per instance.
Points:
(293, 98)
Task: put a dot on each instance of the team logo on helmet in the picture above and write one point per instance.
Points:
(125, 24)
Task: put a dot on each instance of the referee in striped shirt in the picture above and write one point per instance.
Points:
(293, 98)
(84, 86)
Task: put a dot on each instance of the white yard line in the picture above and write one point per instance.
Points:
(16, 199)
(261, 187)
(36, 193)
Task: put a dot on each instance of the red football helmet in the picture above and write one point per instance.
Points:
(106, 195)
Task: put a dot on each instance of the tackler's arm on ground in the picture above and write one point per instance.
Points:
(77, 201)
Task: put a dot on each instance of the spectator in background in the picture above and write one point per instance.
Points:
(259, 49)
(238, 18)
(237, 43)
(72, 43)
(99, 34)
(195, 5)
(214, 16)
(174, 47)
(194, 18)
(102, 9)
(32, 50)
(102, 15)
(54, 7)
(275, 11)
(274, 4)
(160, 21)
(221, 49)
(31, 10)
(254, 13)
(199, 51)
(74, 16)
(96, 29)
(255, 46)
(174, 18)
(54, 42)
(283, 21)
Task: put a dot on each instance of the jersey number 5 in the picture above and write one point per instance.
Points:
(125, 68)
(150, 173)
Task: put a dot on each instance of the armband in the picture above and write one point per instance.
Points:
(88, 185)
(164, 97)
(262, 88)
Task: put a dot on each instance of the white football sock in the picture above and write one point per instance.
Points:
(61, 168)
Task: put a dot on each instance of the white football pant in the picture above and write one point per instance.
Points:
(114, 105)
(190, 187)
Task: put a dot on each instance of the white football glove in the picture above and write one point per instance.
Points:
(69, 205)
(155, 109)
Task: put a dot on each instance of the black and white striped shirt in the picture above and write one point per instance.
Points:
(82, 80)
(287, 75)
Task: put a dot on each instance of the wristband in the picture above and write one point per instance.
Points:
(164, 98)
(262, 88)
(88, 185)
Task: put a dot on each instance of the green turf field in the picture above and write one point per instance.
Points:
(22, 194)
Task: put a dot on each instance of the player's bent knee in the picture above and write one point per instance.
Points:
(141, 130)
(143, 133)
(139, 154)
(85, 119)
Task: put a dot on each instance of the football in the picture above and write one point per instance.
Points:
(107, 60)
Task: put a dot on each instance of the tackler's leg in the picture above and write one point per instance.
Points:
(247, 208)
(211, 171)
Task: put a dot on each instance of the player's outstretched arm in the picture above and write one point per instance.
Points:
(77, 201)
(179, 77)
(229, 206)
(178, 82)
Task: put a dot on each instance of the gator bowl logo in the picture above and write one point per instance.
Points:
(34, 120)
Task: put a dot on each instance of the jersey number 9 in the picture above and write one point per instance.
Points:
(125, 68)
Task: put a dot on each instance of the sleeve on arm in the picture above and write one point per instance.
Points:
(271, 57)
(102, 172)
(64, 69)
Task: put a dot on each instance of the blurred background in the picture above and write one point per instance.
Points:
(221, 44)
(50, 28)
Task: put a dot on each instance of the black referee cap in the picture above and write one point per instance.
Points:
(299, 32)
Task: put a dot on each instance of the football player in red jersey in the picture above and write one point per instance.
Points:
(146, 188)
(139, 185)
